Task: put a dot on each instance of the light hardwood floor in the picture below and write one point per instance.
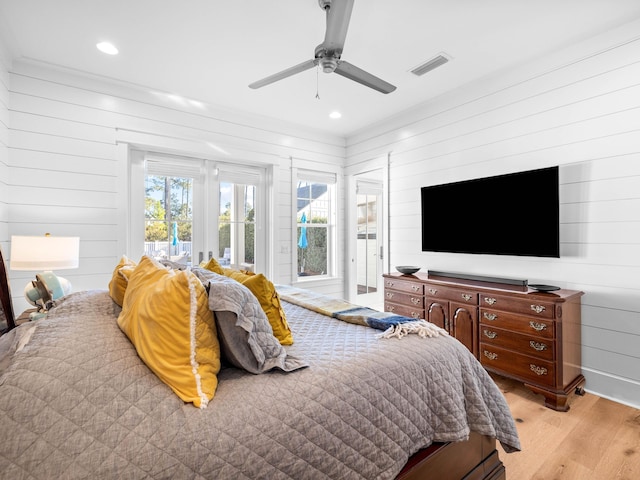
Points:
(597, 439)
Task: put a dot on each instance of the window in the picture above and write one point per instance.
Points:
(169, 188)
(195, 209)
(315, 217)
(236, 225)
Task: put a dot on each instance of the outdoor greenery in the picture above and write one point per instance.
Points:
(172, 191)
(224, 233)
(314, 257)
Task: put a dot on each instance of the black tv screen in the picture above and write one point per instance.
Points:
(513, 214)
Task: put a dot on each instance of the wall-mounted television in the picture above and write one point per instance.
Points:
(512, 214)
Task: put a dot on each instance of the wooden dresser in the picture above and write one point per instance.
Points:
(513, 330)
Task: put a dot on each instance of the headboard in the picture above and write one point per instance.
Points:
(5, 296)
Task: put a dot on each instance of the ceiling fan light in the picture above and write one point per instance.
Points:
(328, 64)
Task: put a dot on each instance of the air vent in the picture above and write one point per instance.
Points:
(429, 65)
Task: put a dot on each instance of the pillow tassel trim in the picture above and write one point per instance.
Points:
(195, 366)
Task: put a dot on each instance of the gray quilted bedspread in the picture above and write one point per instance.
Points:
(78, 403)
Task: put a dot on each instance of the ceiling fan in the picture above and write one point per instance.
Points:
(327, 54)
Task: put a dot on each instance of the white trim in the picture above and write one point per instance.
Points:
(333, 256)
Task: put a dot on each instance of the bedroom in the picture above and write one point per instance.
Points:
(64, 136)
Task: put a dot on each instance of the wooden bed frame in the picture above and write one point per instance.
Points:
(5, 297)
(475, 459)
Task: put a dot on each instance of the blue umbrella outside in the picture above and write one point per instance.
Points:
(174, 242)
(302, 241)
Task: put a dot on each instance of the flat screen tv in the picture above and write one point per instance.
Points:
(513, 214)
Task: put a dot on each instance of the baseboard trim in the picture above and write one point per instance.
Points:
(612, 387)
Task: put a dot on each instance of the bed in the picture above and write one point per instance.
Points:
(77, 401)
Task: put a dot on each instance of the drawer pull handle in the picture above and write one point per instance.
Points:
(538, 370)
(415, 301)
(415, 315)
(538, 346)
(466, 297)
(538, 327)
(490, 316)
(489, 334)
(490, 300)
(538, 308)
(389, 283)
(389, 295)
(433, 291)
(391, 308)
(415, 288)
(490, 355)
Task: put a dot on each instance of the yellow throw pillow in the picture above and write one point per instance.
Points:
(269, 300)
(166, 316)
(119, 279)
(213, 266)
(265, 292)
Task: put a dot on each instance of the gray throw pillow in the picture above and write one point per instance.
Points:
(244, 332)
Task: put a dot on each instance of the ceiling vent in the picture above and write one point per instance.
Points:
(429, 65)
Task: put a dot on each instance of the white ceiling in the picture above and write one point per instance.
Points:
(210, 50)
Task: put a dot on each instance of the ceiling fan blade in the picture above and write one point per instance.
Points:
(301, 67)
(356, 74)
(338, 16)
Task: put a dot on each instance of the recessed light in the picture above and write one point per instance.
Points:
(335, 115)
(108, 48)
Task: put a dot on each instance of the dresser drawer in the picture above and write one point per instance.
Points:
(404, 310)
(404, 286)
(530, 305)
(538, 327)
(457, 295)
(534, 346)
(415, 301)
(534, 370)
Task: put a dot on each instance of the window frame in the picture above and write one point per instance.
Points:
(210, 171)
(331, 179)
(242, 175)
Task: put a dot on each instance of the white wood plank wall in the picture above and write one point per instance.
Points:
(67, 178)
(4, 151)
(580, 109)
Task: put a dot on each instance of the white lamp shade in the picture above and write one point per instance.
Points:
(44, 253)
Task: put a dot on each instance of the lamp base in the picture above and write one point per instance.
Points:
(46, 288)
(33, 316)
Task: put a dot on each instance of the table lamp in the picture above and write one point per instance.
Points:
(44, 254)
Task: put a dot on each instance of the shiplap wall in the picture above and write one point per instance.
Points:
(68, 175)
(4, 149)
(580, 109)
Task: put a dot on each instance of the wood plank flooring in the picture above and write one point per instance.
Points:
(597, 439)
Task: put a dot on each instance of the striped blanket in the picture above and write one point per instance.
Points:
(392, 325)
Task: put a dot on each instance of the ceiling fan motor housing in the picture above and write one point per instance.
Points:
(326, 59)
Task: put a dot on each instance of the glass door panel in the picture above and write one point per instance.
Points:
(367, 244)
(236, 225)
(369, 267)
(169, 218)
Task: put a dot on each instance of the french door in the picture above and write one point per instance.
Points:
(369, 254)
(197, 209)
